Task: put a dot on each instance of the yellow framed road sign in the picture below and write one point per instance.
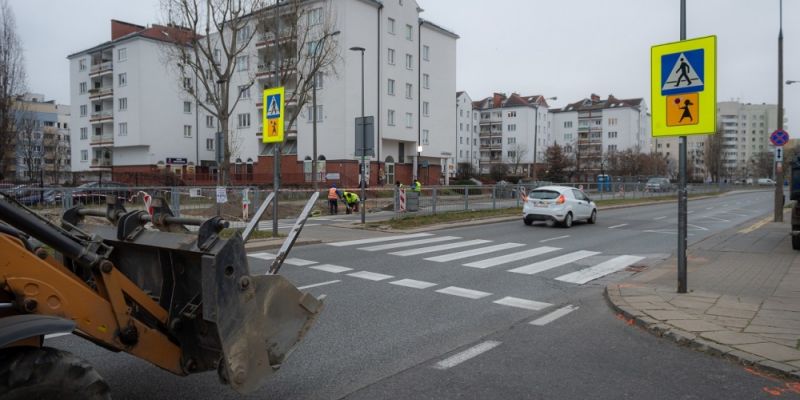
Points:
(272, 115)
(683, 79)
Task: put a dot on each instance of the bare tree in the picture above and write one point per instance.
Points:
(764, 162)
(28, 143)
(713, 155)
(12, 84)
(518, 153)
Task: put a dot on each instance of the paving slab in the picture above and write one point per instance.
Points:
(771, 351)
(694, 325)
(732, 338)
(664, 315)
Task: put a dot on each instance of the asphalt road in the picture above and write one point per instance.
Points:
(524, 318)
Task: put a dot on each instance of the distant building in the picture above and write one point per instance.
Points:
(592, 128)
(468, 121)
(41, 141)
(514, 130)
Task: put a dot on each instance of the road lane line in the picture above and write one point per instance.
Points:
(554, 315)
(690, 212)
(555, 238)
(370, 276)
(412, 283)
(553, 262)
(461, 292)
(465, 355)
(378, 239)
(331, 268)
(522, 303)
(299, 262)
(600, 270)
(617, 226)
(440, 247)
(318, 284)
(474, 252)
(709, 208)
(409, 243)
(494, 261)
(263, 256)
(658, 218)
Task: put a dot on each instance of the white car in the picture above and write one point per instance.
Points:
(560, 204)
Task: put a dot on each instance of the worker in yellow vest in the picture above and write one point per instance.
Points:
(352, 200)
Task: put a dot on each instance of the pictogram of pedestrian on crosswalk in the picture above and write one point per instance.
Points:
(682, 72)
(273, 110)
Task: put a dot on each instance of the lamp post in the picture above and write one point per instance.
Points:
(315, 60)
(536, 135)
(363, 140)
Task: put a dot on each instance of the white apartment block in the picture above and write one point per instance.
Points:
(514, 130)
(467, 146)
(129, 112)
(591, 128)
(409, 81)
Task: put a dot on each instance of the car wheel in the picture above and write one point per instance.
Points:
(593, 218)
(528, 222)
(567, 221)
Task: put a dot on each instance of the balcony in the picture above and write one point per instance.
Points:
(102, 140)
(102, 163)
(101, 116)
(102, 68)
(268, 70)
(268, 39)
(101, 92)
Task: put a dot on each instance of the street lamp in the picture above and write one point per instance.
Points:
(363, 140)
(791, 82)
(536, 135)
(314, 60)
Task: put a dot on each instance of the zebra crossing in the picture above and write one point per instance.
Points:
(484, 254)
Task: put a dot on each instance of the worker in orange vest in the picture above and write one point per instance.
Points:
(333, 200)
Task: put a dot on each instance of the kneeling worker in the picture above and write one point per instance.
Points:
(352, 200)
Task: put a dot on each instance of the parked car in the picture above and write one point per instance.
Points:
(560, 204)
(766, 182)
(658, 185)
(96, 192)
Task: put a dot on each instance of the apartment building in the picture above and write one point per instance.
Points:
(41, 141)
(467, 147)
(409, 81)
(514, 130)
(591, 128)
(130, 112)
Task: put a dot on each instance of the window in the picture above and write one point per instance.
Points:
(390, 26)
(612, 135)
(425, 137)
(83, 110)
(426, 109)
(84, 155)
(313, 47)
(390, 56)
(82, 87)
(460, 140)
(390, 118)
(242, 63)
(82, 64)
(84, 133)
(319, 80)
(217, 56)
(187, 131)
(512, 154)
(244, 120)
(409, 61)
(409, 32)
(187, 107)
(409, 120)
(426, 53)
(123, 104)
(390, 87)
(409, 91)
(612, 121)
(210, 121)
(315, 17)
(187, 83)
(243, 35)
(122, 129)
(122, 54)
(122, 79)
(311, 113)
(512, 114)
(567, 124)
(512, 128)
(426, 81)
(612, 148)
(209, 144)
(244, 92)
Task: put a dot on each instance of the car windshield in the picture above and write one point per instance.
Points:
(654, 180)
(543, 194)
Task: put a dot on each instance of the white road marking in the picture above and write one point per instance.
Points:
(698, 227)
(465, 355)
(555, 238)
(409, 243)
(600, 270)
(299, 262)
(370, 276)
(55, 335)
(413, 283)
(440, 247)
(331, 268)
(318, 284)
(664, 232)
(263, 256)
(690, 212)
(709, 208)
(378, 239)
(554, 262)
(474, 252)
(461, 292)
(554, 315)
(522, 303)
(658, 218)
(617, 226)
(491, 262)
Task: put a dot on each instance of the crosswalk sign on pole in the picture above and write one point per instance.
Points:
(273, 114)
(683, 87)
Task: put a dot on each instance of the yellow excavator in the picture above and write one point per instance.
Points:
(141, 282)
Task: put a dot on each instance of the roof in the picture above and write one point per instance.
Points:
(595, 103)
(168, 34)
(439, 28)
(500, 100)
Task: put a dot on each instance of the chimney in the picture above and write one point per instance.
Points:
(120, 29)
(595, 97)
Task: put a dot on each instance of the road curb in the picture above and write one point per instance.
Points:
(692, 341)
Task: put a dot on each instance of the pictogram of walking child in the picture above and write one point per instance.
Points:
(686, 111)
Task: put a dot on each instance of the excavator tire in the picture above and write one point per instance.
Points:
(34, 373)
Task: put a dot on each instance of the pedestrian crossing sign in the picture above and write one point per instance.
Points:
(273, 110)
(683, 87)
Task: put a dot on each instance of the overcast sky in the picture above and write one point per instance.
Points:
(564, 48)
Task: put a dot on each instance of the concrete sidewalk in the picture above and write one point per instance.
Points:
(743, 301)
